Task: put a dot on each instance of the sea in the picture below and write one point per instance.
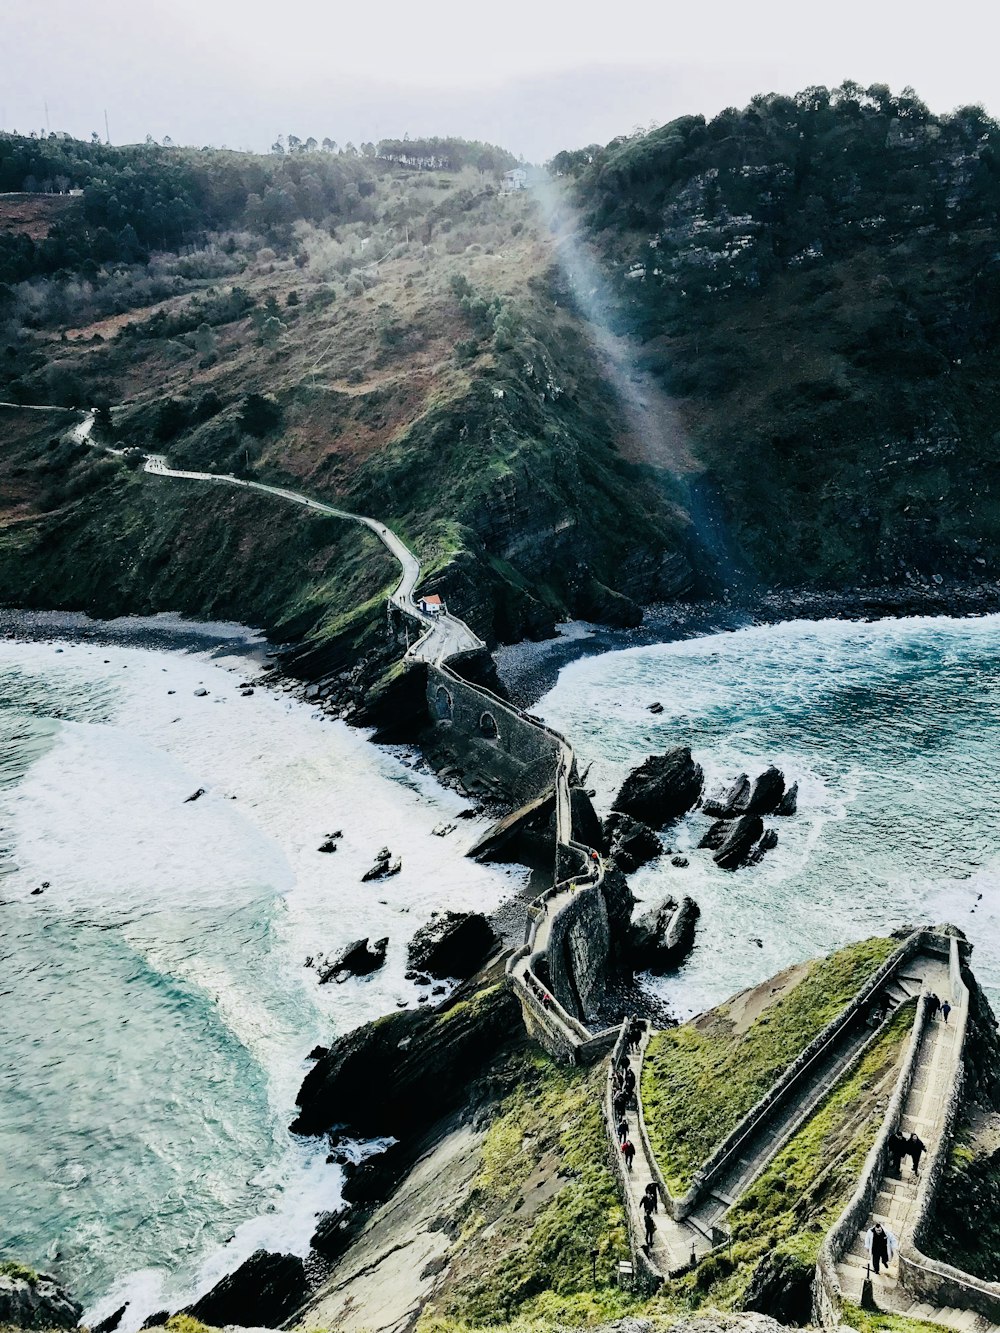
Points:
(156, 1010)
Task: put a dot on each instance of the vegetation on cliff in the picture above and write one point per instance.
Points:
(699, 1080)
(815, 281)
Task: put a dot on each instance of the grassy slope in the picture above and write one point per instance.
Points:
(88, 533)
(496, 456)
(698, 1081)
(543, 1198)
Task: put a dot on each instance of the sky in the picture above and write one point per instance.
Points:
(533, 75)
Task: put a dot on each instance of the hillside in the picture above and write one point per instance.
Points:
(753, 353)
(816, 282)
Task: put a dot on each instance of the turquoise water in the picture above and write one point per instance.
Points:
(155, 1008)
(892, 730)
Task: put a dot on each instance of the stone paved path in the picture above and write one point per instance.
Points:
(923, 1112)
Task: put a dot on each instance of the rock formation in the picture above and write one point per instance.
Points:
(35, 1300)
(629, 843)
(661, 938)
(733, 841)
(663, 787)
(452, 944)
(262, 1293)
(358, 959)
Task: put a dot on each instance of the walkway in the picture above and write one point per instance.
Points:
(923, 1112)
(444, 636)
(765, 1140)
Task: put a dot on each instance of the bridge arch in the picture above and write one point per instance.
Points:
(488, 727)
(444, 704)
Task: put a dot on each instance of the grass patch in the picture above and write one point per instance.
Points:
(867, 1321)
(698, 1082)
(782, 1219)
(20, 1272)
(543, 1199)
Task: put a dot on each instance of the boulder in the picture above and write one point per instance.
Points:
(620, 901)
(663, 787)
(655, 708)
(714, 835)
(263, 1292)
(111, 1323)
(726, 802)
(452, 944)
(681, 862)
(35, 1300)
(357, 960)
(397, 1075)
(789, 803)
(194, 795)
(333, 1233)
(765, 794)
(741, 837)
(663, 937)
(383, 868)
(629, 842)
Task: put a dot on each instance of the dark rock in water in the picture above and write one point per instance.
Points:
(36, 892)
(681, 862)
(664, 936)
(382, 870)
(656, 708)
(398, 1075)
(357, 960)
(741, 837)
(789, 803)
(328, 846)
(200, 694)
(727, 802)
(663, 787)
(262, 1293)
(586, 825)
(157, 1319)
(194, 795)
(453, 944)
(318, 1052)
(629, 842)
(715, 835)
(40, 1303)
(111, 1323)
(766, 793)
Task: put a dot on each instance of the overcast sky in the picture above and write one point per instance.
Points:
(534, 75)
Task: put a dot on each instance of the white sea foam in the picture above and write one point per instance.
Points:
(219, 901)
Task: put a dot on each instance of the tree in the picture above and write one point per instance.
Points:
(260, 415)
(329, 145)
(311, 145)
(271, 331)
(204, 341)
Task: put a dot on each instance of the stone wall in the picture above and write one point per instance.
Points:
(492, 740)
(578, 950)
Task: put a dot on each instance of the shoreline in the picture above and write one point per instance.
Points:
(530, 669)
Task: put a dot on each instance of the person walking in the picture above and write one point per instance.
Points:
(622, 1130)
(629, 1081)
(650, 1226)
(628, 1152)
(915, 1147)
(933, 1005)
(877, 1245)
(651, 1199)
(945, 1010)
(897, 1147)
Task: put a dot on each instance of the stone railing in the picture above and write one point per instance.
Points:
(840, 1237)
(932, 1280)
(785, 1086)
(928, 1280)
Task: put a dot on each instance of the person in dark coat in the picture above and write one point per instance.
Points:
(621, 1103)
(897, 1147)
(915, 1148)
(651, 1199)
(622, 1130)
(945, 1010)
(630, 1081)
(650, 1231)
(933, 1005)
(628, 1152)
(878, 1243)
